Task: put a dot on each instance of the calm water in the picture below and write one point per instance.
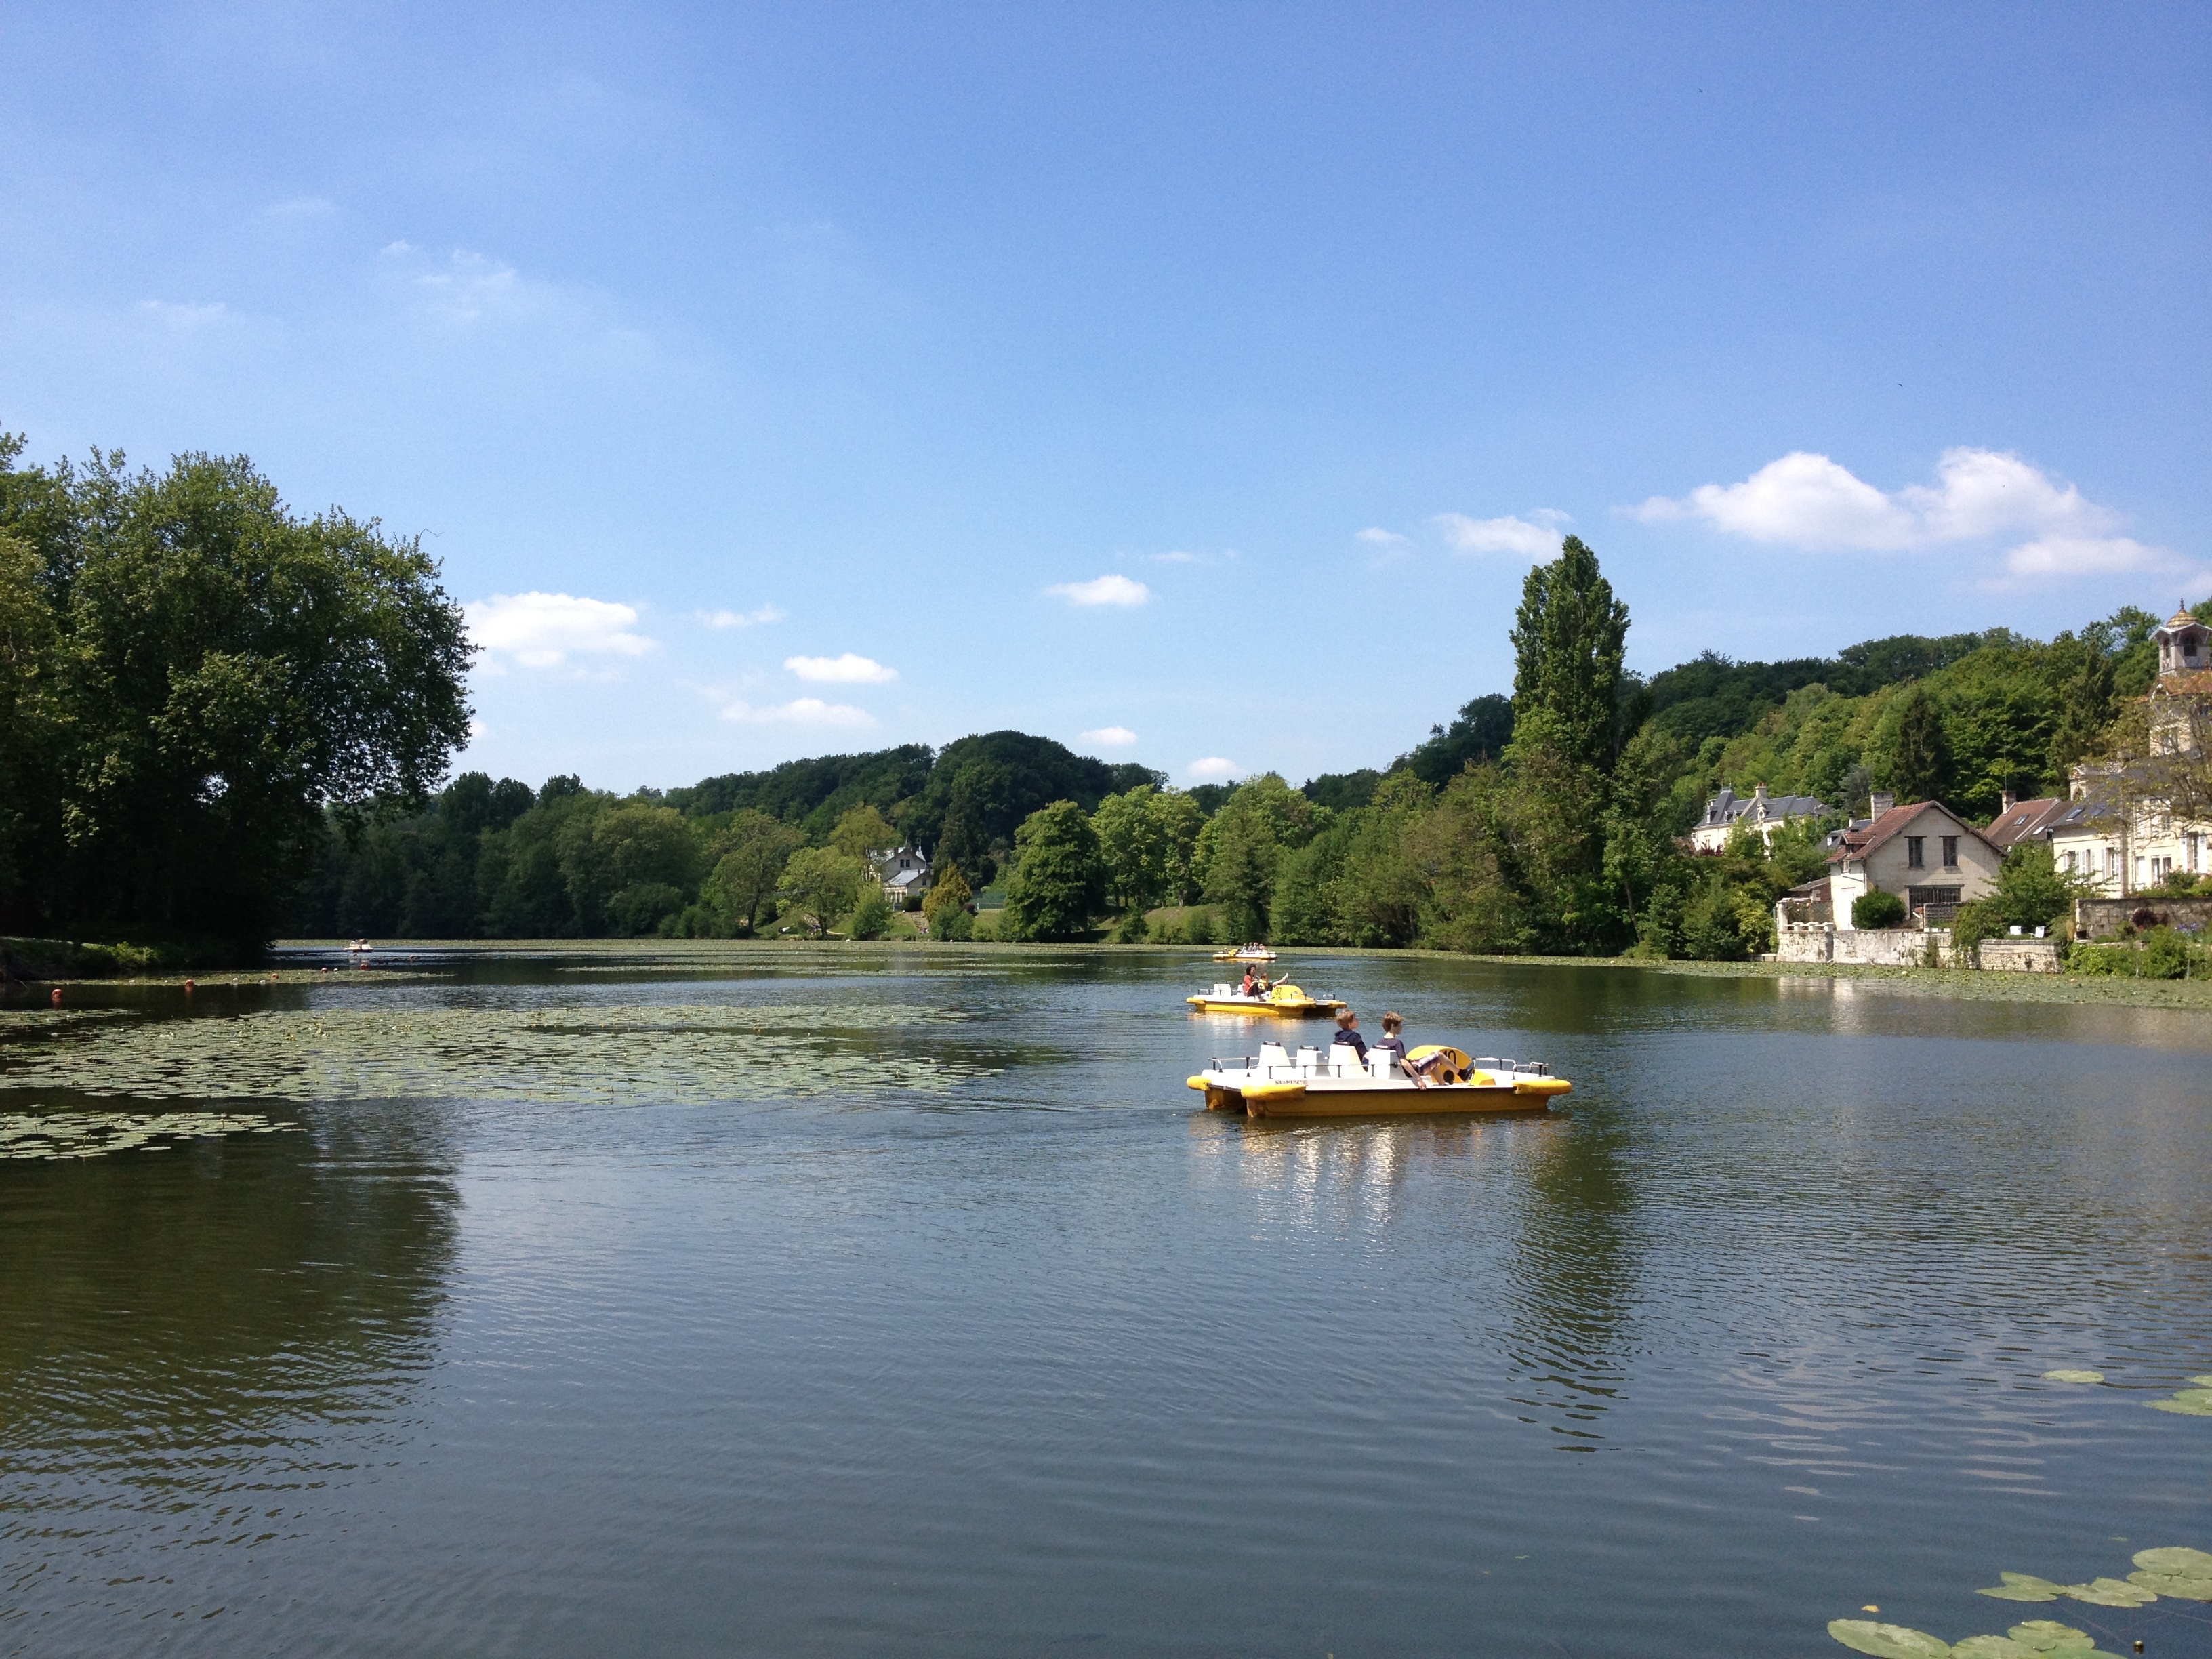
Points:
(943, 1324)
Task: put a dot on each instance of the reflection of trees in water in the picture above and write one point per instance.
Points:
(1572, 1280)
(180, 1325)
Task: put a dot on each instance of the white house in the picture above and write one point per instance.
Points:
(1759, 812)
(1925, 854)
(2117, 831)
(905, 873)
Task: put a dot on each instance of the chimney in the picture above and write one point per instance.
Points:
(1879, 802)
(2006, 801)
(1759, 792)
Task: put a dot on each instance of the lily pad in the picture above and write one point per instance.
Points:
(2182, 1408)
(2194, 1396)
(2112, 1593)
(2202, 1382)
(1992, 1647)
(2024, 1587)
(1887, 1641)
(2073, 1377)
(53, 1136)
(2179, 1586)
(2175, 1559)
(2049, 1636)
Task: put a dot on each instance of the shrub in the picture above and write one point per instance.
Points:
(871, 917)
(954, 925)
(1130, 930)
(1974, 922)
(1877, 909)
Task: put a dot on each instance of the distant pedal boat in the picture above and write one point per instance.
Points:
(1245, 953)
(1282, 1082)
(1282, 999)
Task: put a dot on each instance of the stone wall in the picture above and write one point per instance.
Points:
(2022, 955)
(2101, 918)
(1878, 947)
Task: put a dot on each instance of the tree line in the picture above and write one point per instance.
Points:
(222, 719)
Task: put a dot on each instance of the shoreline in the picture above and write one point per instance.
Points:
(1980, 985)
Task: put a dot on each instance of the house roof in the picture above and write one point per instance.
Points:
(908, 877)
(1864, 837)
(1728, 806)
(2026, 821)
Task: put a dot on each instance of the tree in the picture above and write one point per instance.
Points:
(949, 896)
(1479, 732)
(1249, 835)
(1920, 761)
(822, 884)
(31, 737)
(227, 669)
(1569, 636)
(754, 848)
(1058, 883)
(1132, 847)
(871, 916)
(864, 830)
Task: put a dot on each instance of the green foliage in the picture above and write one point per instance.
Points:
(1479, 732)
(1243, 844)
(1877, 909)
(2031, 890)
(1342, 791)
(1568, 638)
(871, 916)
(823, 883)
(1059, 884)
(1973, 922)
(193, 674)
(949, 896)
(864, 830)
(2162, 953)
(1920, 754)
(814, 793)
(749, 853)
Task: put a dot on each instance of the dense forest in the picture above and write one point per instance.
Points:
(220, 719)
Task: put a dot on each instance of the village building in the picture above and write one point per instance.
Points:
(2119, 832)
(1923, 853)
(905, 874)
(2020, 823)
(1760, 813)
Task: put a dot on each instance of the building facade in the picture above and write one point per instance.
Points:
(1925, 854)
(1759, 812)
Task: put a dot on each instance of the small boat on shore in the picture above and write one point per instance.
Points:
(1279, 1082)
(1280, 1000)
(1245, 953)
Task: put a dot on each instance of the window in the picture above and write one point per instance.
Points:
(2069, 864)
(1950, 852)
(1913, 846)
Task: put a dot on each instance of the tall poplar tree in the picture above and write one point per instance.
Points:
(1568, 638)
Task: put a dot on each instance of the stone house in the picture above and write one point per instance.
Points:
(1925, 854)
(1759, 812)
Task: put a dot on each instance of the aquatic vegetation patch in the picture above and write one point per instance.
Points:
(2073, 1377)
(2195, 1402)
(2177, 1571)
(51, 1136)
(562, 1054)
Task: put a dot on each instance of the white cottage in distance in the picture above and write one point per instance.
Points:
(1759, 812)
(1925, 854)
(905, 873)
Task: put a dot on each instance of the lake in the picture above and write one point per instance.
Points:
(863, 1300)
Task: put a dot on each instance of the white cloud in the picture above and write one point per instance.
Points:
(1809, 501)
(1111, 737)
(848, 669)
(1211, 767)
(1525, 537)
(478, 730)
(801, 711)
(1384, 540)
(2063, 556)
(1176, 558)
(766, 613)
(543, 630)
(1106, 590)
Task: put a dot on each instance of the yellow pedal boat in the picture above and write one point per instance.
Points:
(1282, 999)
(1285, 1082)
(1245, 953)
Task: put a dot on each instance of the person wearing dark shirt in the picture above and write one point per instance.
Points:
(1347, 1033)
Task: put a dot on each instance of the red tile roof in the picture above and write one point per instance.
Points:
(2026, 820)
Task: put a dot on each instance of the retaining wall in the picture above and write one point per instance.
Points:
(2022, 955)
(2100, 918)
(1877, 947)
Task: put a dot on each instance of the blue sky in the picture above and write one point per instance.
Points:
(777, 381)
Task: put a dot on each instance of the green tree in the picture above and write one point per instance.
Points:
(1255, 826)
(753, 849)
(864, 830)
(228, 670)
(1058, 884)
(871, 916)
(2031, 890)
(1920, 763)
(628, 865)
(31, 733)
(1178, 819)
(949, 896)
(824, 883)
(1133, 848)
(1569, 636)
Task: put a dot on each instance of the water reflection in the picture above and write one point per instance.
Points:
(191, 1342)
